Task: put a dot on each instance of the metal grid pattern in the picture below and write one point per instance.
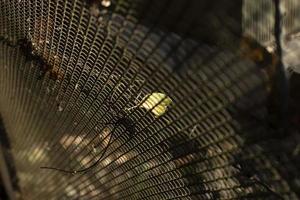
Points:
(69, 70)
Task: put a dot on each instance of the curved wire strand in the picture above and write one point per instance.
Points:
(89, 167)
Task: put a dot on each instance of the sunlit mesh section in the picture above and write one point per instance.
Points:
(160, 95)
(259, 20)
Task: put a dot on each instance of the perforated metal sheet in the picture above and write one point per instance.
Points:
(71, 70)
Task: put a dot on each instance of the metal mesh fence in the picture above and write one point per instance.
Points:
(159, 99)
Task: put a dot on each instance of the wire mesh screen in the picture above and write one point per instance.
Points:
(144, 99)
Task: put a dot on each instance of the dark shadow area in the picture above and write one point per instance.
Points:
(8, 159)
(215, 22)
